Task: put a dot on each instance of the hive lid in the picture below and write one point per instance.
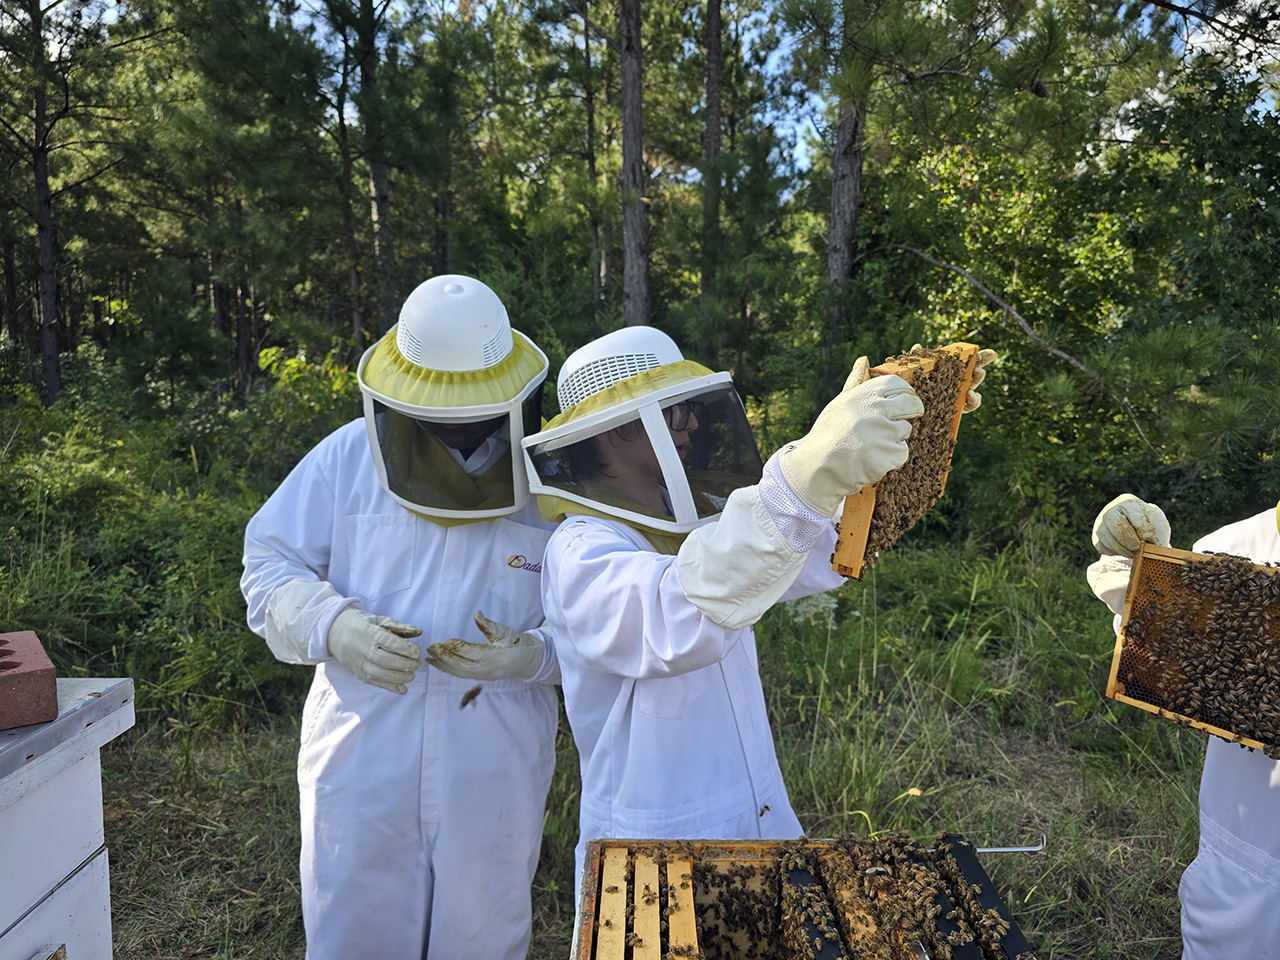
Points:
(96, 710)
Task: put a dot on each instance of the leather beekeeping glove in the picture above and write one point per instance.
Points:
(858, 437)
(1126, 523)
(375, 648)
(972, 399)
(505, 654)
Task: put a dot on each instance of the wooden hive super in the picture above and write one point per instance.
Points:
(1200, 645)
(882, 899)
(874, 519)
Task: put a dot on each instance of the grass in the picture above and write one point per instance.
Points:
(952, 690)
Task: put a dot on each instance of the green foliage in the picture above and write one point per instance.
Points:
(123, 534)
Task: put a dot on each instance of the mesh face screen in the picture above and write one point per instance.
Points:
(1199, 640)
(420, 470)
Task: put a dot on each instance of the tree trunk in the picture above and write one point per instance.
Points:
(593, 210)
(11, 321)
(47, 269)
(244, 341)
(443, 259)
(846, 192)
(379, 173)
(636, 307)
(711, 155)
(350, 244)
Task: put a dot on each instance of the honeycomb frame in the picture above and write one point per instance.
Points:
(1165, 664)
(881, 513)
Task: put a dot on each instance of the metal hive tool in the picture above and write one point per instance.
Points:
(1199, 644)
(887, 898)
(877, 517)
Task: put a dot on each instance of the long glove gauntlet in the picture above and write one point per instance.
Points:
(375, 648)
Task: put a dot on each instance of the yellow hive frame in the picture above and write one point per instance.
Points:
(602, 922)
(604, 928)
(1145, 567)
(849, 559)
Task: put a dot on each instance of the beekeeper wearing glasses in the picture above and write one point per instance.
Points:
(421, 798)
(673, 540)
(1230, 893)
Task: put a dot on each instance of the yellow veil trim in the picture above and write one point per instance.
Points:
(557, 509)
(388, 372)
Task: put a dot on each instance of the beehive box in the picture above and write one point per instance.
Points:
(878, 516)
(1199, 643)
(883, 899)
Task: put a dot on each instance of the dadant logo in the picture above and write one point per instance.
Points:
(518, 562)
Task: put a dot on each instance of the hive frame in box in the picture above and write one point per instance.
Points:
(603, 896)
(849, 559)
(1146, 568)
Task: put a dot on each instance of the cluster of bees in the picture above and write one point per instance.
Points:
(906, 494)
(887, 898)
(1200, 641)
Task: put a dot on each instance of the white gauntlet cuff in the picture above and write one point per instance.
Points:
(735, 569)
(1109, 580)
(299, 615)
(799, 525)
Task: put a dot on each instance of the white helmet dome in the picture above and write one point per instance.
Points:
(611, 359)
(452, 322)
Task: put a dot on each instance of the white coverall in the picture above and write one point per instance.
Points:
(1231, 892)
(666, 705)
(421, 819)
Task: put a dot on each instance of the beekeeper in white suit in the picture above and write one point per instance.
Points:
(421, 816)
(1231, 892)
(674, 541)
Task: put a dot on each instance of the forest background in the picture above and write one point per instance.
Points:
(211, 208)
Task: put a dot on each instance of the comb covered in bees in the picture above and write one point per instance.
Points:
(876, 518)
(1199, 644)
(887, 898)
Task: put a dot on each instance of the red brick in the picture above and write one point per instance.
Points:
(28, 685)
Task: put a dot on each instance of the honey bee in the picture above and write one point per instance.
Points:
(470, 695)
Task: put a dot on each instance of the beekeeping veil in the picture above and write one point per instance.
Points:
(449, 393)
(633, 387)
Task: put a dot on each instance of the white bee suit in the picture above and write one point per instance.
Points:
(666, 703)
(1231, 892)
(418, 813)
